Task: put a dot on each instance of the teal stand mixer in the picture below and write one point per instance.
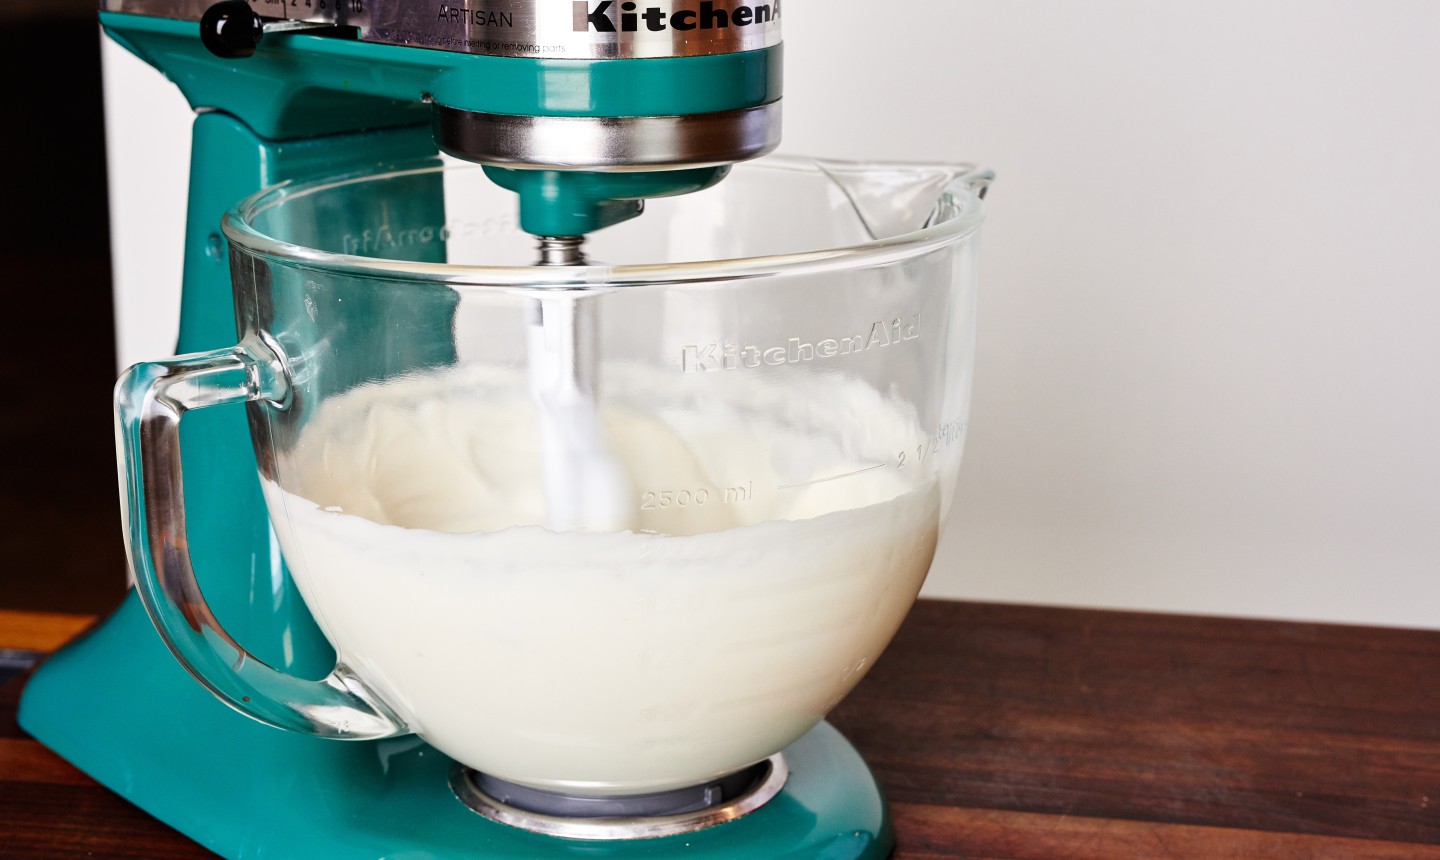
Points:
(584, 109)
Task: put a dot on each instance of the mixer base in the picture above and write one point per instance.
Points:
(120, 708)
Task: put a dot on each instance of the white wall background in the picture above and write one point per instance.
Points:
(1209, 366)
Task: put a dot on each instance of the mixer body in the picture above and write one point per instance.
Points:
(583, 109)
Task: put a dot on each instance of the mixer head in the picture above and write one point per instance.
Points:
(585, 108)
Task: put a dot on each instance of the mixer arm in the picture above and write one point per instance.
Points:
(582, 139)
(150, 400)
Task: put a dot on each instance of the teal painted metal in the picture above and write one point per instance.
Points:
(574, 203)
(298, 85)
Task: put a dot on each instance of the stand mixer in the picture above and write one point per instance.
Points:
(584, 110)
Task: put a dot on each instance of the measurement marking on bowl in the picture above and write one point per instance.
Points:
(832, 477)
(654, 499)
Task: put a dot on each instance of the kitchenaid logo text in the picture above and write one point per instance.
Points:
(601, 17)
(728, 355)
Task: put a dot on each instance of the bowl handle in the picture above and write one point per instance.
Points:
(150, 399)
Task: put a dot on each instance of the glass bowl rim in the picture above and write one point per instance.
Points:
(967, 185)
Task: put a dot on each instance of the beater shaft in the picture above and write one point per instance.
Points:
(586, 487)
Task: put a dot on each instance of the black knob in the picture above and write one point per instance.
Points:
(231, 29)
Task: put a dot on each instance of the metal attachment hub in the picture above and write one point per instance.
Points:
(610, 143)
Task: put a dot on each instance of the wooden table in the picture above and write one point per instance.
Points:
(1023, 732)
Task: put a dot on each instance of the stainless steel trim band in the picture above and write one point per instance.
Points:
(609, 143)
(553, 29)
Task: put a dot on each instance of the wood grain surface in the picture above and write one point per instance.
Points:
(1032, 733)
(39, 631)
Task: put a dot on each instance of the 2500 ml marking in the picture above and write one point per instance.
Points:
(653, 500)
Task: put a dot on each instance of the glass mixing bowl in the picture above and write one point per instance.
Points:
(608, 528)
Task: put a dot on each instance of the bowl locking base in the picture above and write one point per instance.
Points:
(635, 816)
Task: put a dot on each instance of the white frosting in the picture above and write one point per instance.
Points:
(703, 639)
